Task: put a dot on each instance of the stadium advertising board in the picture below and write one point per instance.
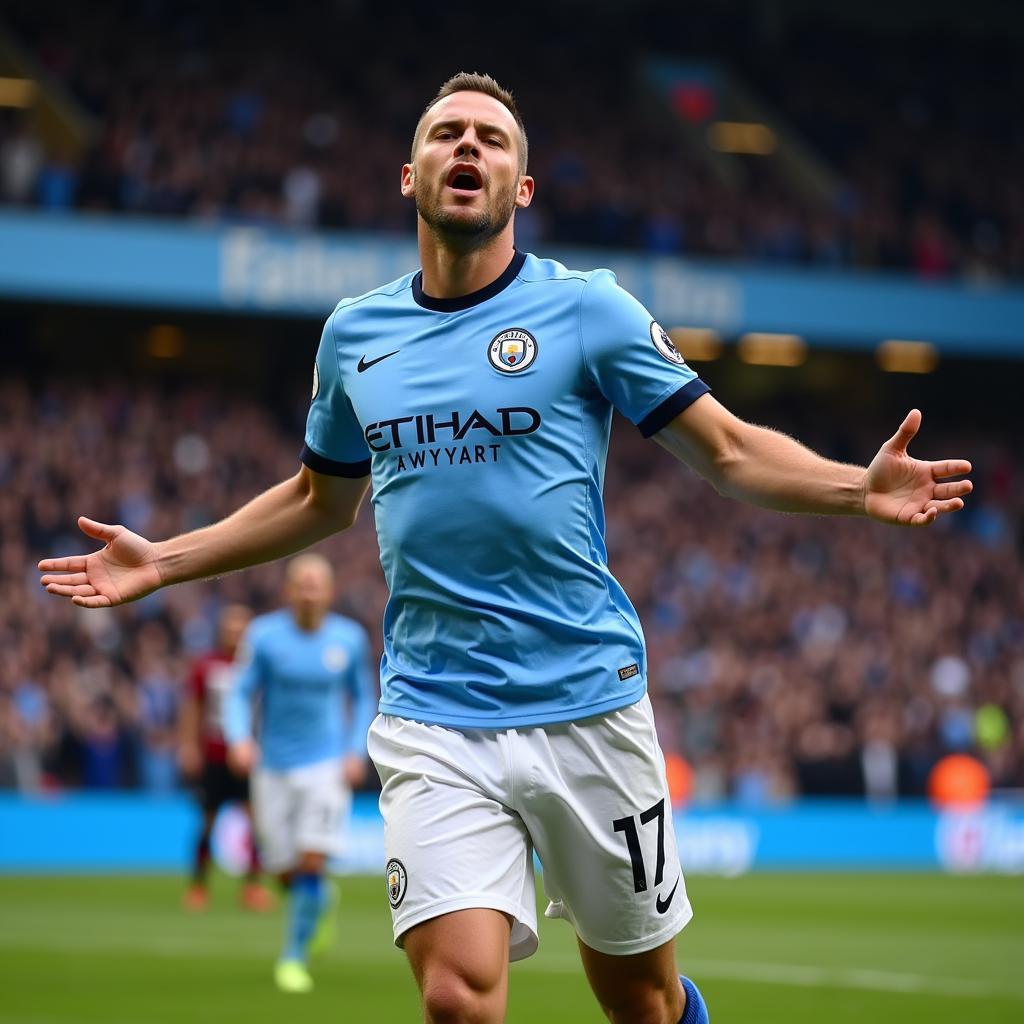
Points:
(82, 833)
(86, 258)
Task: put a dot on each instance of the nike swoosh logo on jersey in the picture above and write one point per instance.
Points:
(662, 907)
(365, 364)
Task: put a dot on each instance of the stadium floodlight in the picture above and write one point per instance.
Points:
(17, 92)
(165, 341)
(746, 137)
(899, 356)
(697, 344)
(762, 348)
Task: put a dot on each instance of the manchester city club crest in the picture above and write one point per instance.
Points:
(335, 659)
(397, 882)
(663, 343)
(512, 351)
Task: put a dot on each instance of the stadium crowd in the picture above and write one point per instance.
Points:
(788, 655)
(202, 111)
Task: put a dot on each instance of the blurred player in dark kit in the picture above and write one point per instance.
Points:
(202, 756)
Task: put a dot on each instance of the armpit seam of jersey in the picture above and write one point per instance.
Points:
(605, 575)
(579, 323)
(587, 511)
(333, 320)
(334, 337)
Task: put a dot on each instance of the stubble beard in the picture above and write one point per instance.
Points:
(458, 229)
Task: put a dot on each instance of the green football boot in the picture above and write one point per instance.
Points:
(292, 976)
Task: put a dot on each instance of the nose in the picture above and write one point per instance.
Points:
(468, 145)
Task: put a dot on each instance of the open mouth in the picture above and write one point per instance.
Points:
(464, 178)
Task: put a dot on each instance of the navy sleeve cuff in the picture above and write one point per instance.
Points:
(672, 407)
(319, 464)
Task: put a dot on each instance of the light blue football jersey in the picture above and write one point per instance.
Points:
(315, 690)
(484, 421)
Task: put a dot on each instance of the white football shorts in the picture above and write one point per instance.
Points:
(301, 810)
(464, 810)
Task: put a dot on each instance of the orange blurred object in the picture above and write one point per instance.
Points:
(959, 780)
(196, 899)
(254, 897)
(680, 779)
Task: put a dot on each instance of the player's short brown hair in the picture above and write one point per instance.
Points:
(471, 81)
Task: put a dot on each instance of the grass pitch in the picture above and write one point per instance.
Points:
(766, 949)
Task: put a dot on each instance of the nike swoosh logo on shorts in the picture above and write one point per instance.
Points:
(662, 907)
(365, 364)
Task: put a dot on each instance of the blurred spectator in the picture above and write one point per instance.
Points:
(927, 147)
(20, 751)
(56, 185)
(786, 654)
(102, 746)
(157, 698)
(21, 161)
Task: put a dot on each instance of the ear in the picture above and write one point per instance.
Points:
(525, 194)
(408, 181)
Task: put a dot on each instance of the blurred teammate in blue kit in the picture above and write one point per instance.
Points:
(477, 394)
(308, 671)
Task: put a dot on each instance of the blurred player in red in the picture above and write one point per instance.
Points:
(202, 755)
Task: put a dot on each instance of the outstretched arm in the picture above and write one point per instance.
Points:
(289, 516)
(766, 468)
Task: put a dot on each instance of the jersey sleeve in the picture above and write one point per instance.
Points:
(334, 442)
(631, 359)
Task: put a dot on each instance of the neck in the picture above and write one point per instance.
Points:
(450, 271)
(308, 622)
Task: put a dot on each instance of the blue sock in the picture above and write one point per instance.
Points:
(696, 1011)
(307, 900)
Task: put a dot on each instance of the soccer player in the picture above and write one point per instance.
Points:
(202, 755)
(477, 393)
(309, 670)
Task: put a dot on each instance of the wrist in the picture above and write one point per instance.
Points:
(168, 561)
(160, 564)
(161, 570)
(861, 505)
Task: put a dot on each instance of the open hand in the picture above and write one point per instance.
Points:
(123, 570)
(908, 492)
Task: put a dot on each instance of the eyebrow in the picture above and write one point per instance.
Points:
(483, 126)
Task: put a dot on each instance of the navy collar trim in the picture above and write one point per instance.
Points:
(453, 305)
